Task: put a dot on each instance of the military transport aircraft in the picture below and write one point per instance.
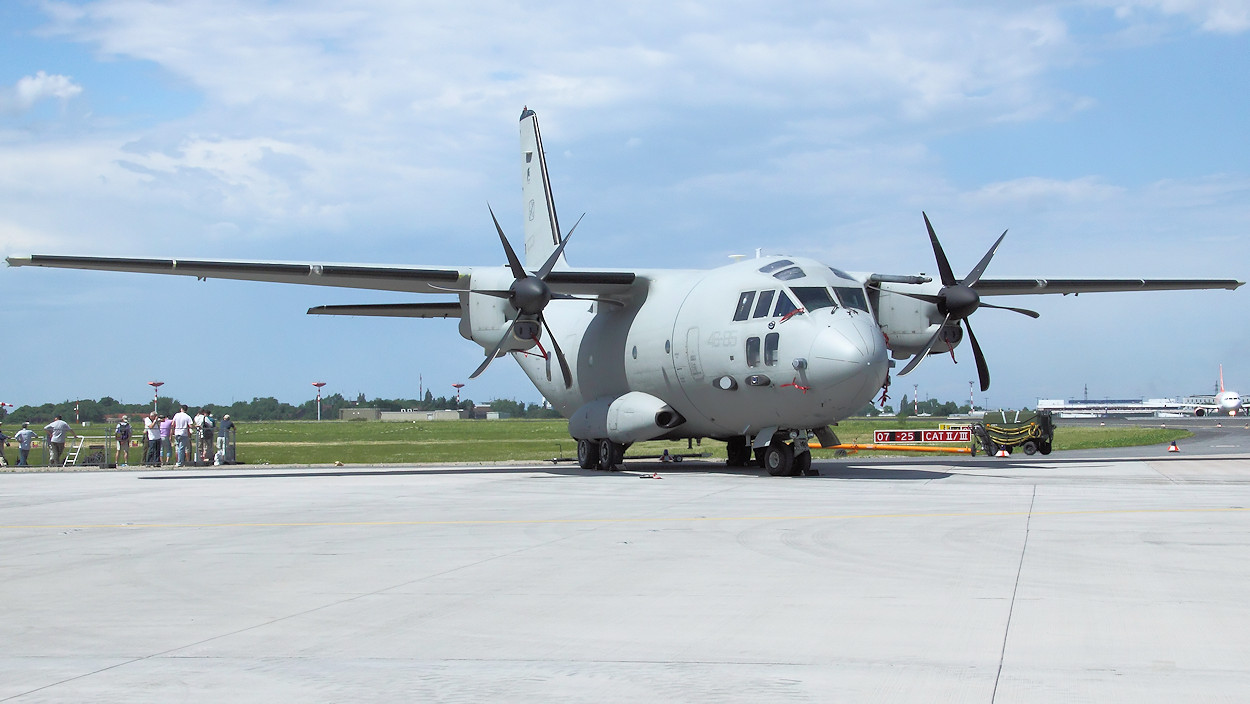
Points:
(761, 354)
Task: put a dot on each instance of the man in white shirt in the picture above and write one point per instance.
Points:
(182, 435)
(57, 431)
(152, 440)
(25, 437)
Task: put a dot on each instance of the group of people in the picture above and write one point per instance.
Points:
(26, 437)
(180, 439)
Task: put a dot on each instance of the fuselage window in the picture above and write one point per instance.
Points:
(771, 342)
(773, 266)
(764, 305)
(851, 297)
(789, 274)
(814, 297)
(784, 306)
(753, 351)
(744, 305)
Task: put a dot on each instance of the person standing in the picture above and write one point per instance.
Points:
(197, 435)
(182, 435)
(122, 434)
(57, 430)
(167, 443)
(207, 423)
(152, 438)
(4, 439)
(25, 438)
(223, 439)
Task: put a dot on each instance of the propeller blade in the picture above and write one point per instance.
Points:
(495, 352)
(555, 347)
(551, 261)
(518, 271)
(1021, 311)
(944, 265)
(975, 275)
(915, 361)
(983, 371)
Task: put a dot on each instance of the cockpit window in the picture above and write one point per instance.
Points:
(784, 305)
(764, 305)
(851, 297)
(814, 297)
(789, 274)
(744, 305)
(773, 266)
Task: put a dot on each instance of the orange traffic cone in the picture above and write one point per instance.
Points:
(1173, 447)
(1002, 453)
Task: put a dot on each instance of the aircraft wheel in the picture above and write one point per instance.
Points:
(1029, 447)
(587, 454)
(802, 464)
(610, 454)
(1044, 447)
(759, 456)
(779, 459)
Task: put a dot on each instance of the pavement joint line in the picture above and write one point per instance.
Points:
(672, 519)
(1015, 589)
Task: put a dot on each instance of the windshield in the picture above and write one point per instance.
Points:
(814, 297)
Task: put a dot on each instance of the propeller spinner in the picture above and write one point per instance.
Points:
(958, 300)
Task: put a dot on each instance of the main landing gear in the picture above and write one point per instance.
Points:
(780, 458)
(600, 454)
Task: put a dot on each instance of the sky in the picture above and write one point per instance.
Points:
(1109, 137)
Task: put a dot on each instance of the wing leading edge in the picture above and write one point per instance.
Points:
(1019, 287)
(368, 277)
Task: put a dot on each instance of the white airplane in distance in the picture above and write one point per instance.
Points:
(761, 354)
(1224, 402)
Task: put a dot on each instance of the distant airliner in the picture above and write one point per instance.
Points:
(762, 353)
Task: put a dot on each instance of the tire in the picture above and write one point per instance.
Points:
(1044, 447)
(759, 456)
(1029, 447)
(737, 453)
(779, 459)
(610, 455)
(802, 464)
(587, 454)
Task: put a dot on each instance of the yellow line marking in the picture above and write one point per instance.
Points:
(674, 519)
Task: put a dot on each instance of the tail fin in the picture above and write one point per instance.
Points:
(542, 227)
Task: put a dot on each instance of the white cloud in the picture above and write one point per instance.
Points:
(1218, 16)
(29, 90)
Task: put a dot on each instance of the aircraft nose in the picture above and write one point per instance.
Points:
(849, 355)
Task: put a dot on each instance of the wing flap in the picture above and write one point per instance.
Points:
(392, 310)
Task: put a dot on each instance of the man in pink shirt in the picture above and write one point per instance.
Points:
(167, 445)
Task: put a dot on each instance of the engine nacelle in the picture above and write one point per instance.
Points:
(908, 323)
(633, 417)
(486, 318)
(1200, 412)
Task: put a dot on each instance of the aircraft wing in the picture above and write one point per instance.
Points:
(409, 279)
(1017, 287)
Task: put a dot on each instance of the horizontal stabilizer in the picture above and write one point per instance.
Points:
(392, 310)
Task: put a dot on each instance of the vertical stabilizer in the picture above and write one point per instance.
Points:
(542, 228)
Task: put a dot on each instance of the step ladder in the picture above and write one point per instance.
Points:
(72, 456)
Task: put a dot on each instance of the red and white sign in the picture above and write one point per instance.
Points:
(883, 436)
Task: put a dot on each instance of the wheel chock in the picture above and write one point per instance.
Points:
(1173, 447)
(1001, 453)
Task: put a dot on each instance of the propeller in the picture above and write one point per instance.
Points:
(529, 294)
(958, 300)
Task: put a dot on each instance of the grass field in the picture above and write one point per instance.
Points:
(527, 440)
(356, 442)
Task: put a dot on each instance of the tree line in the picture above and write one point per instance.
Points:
(260, 408)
